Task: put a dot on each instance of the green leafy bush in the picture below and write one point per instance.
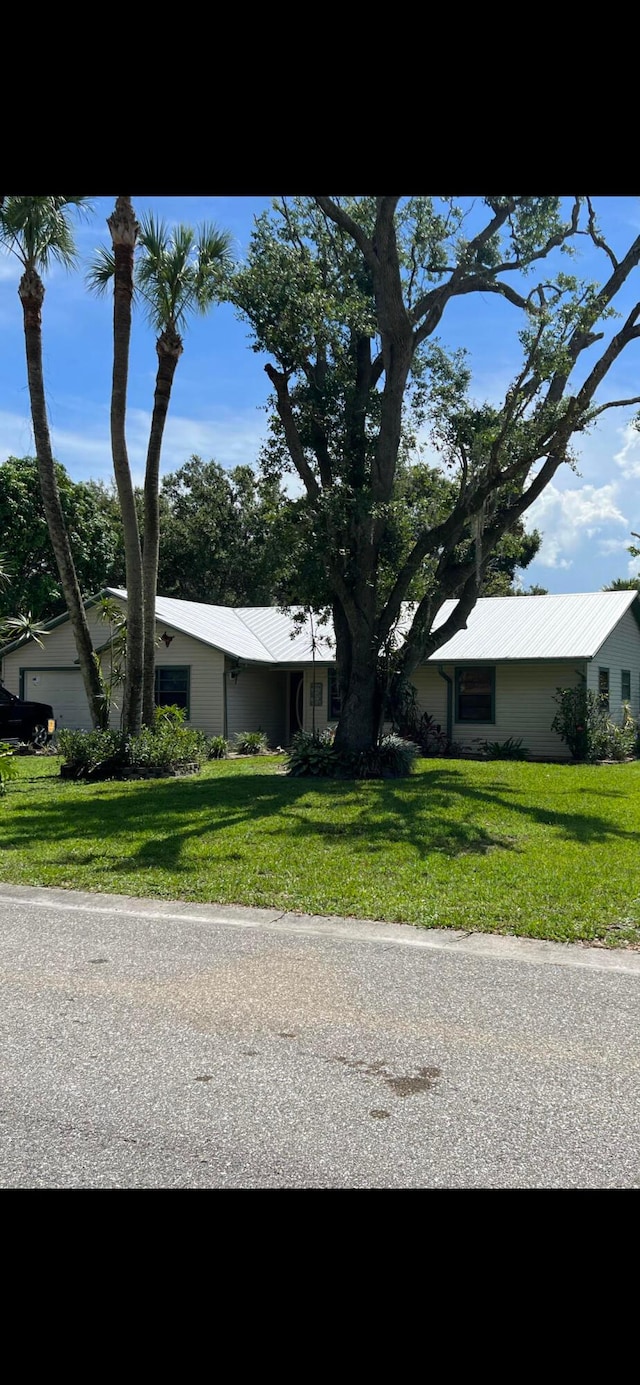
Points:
(165, 745)
(8, 766)
(171, 715)
(250, 743)
(312, 754)
(315, 754)
(159, 747)
(584, 724)
(85, 750)
(505, 750)
(393, 758)
(217, 748)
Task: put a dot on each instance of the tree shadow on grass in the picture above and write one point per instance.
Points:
(436, 811)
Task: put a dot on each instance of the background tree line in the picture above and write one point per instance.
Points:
(228, 537)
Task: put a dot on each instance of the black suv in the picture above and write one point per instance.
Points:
(32, 723)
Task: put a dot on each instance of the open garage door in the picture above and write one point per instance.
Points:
(64, 690)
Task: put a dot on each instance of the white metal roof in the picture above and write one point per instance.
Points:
(260, 634)
(570, 626)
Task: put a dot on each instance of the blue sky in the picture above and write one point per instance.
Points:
(220, 388)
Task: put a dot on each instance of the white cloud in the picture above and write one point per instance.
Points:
(84, 448)
(606, 546)
(628, 458)
(566, 518)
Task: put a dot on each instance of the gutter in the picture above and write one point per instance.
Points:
(449, 683)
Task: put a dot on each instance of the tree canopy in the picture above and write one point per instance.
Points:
(223, 536)
(32, 578)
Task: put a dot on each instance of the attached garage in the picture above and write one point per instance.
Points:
(63, 689)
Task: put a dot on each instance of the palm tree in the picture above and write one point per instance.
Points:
(179, 272)
(37, 231)
(623, 584)
(124, 233)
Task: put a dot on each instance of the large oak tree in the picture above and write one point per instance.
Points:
(345, 296)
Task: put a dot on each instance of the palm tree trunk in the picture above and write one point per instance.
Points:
(169, 349)
(31, 291)
(124, 230)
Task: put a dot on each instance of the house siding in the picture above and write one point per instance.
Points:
(257, 701)
(524, 704)
(206, 678)
(620, 650)
(431, 692)
(59, 650)
(206, 669)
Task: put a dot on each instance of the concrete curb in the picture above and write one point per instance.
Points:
(497, 947)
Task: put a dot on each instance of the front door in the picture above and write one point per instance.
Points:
(296, 701)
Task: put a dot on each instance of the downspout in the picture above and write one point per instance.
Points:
(449, 683)
(225, 720)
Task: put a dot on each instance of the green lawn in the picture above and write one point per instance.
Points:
(550, 851)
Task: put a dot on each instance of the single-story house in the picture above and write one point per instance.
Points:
(249, 668)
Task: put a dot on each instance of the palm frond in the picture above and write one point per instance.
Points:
(101, 271)
(180, 271)
(5, 571)
(37, 229)
(215, 261)
(24, 628)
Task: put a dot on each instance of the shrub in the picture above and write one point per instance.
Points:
(250, 743)
(315, 754)
(217, 748)
(505, 750)
(312, 753)
(86, 750)
(171, 715)
(8, 766)
(393, 758)
(158, 747)
(165, 745)
(584, 724)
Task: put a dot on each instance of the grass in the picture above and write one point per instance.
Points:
(546, 851)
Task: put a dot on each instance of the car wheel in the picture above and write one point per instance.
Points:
(38, 738)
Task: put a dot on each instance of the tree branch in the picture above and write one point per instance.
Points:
(341, 218)
(279, 381)
(597, 238)
(615, 404)
(424, 304)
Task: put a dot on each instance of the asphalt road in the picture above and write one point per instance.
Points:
(147, 1044)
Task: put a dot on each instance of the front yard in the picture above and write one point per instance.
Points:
(547, 851)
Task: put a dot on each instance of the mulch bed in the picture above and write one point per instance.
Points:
(109, 770)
